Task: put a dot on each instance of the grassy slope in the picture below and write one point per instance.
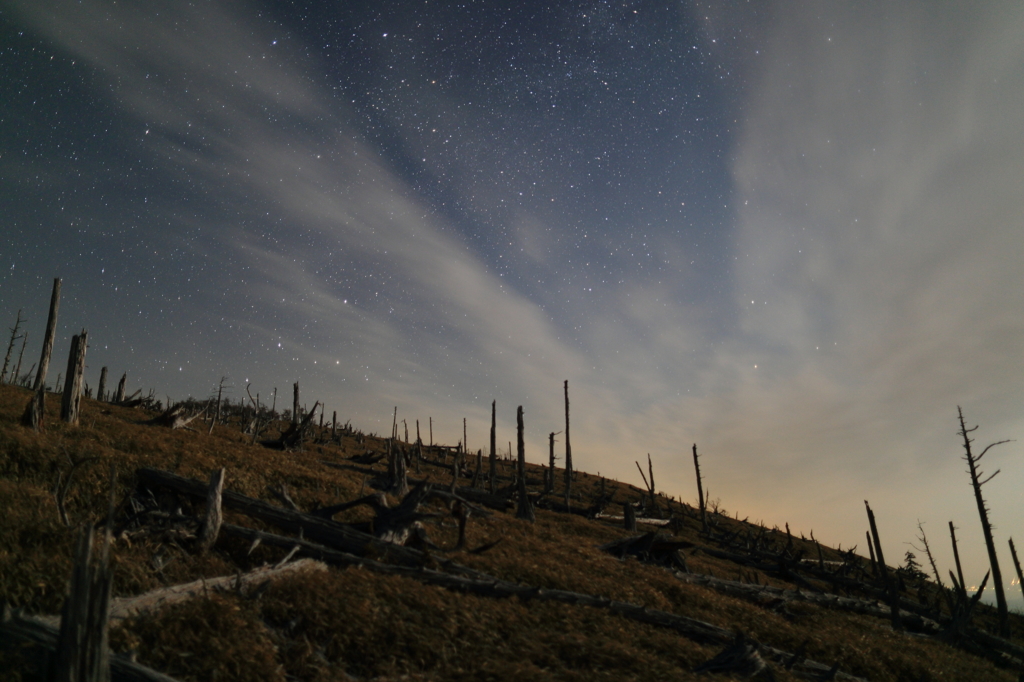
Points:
(328, 625)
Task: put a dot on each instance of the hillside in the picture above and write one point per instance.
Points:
(510, 600)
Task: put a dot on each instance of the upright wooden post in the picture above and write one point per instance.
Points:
(525, 509)
(568, 450)
(34, 412)
(894, 597)
(101, 391)
(494, 452)
(73, 383)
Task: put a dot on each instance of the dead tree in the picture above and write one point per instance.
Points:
(216, 408)
(890, 585)
(101, 391)
(494, 450)
(956, 557)
(73, 384)
(700, 492)
(629, 517)
(293, 438)
(549, 480)
(525, 510)
(479, 467)
(119, 393)
(33, 416)
(83, 652)
(1016, 564)
(986, 527)
(650, 485)
(568, 449)
(10, 347)
(176, 417)
(21, 354)
(214, 517)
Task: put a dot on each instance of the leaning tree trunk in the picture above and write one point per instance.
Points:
(986, 527)
(10, 349)
(34, 412)
(119, 394)
(700, 492)
(73, 383)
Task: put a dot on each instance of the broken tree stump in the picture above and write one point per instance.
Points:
(525, 509)
(36, 408)
(214, 517)
(83, 654)
(73, 384)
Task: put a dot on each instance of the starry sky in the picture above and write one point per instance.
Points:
(791, 233)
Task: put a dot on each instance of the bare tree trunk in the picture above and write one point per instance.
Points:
(295, 404)
(629, 517)
(101, 391)
(700, 492)
(956, 557)
(34, 412)
(549, 479)
(1016, 565)
(894, 597)
(10, 348)
(119, 394)
(73, 384)
(479, 467)
(214, 517)
(871, 551)
(83, 652)
(986, 527)
(494, 452)
(21, 354)
(525, 509)
(568, 450)
(334, 425)
(431, 432)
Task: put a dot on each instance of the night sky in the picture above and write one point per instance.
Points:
(790, 233)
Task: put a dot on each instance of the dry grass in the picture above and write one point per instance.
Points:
(329, 625)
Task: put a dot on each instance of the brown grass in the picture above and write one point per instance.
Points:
(328, 625)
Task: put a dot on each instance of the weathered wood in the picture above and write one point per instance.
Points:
(700, 492)
(986, 527)
(214, 517)
(119, 393)
(525, 509)
(330, 533)
(568, 451)
(629, 517)
(73, 384)
(34, 631)
(886, 580)
(10, 349)
(83, 654)
(774, 597)
(176, 417)
(493, 476)
(36, 408)
(488, 586)
(16, 377)
(101, 391)
(295, 404)
(956, 557)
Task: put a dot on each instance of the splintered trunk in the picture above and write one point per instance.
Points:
(33, 416)
(894, 597)
(986, 526)
(295, 404)
(101, 391)
(119, 394)
(10, 348)
(493, 477)
(568, 449)
(549, 479)
(73, 384)
(21, 354)
(83, 650)
(700, 492)
(525, 510)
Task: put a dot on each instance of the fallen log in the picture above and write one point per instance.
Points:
(475, 582)
(329, 533)
(766, 595)
(29, 631)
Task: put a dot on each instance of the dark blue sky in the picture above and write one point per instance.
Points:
(788, 233)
